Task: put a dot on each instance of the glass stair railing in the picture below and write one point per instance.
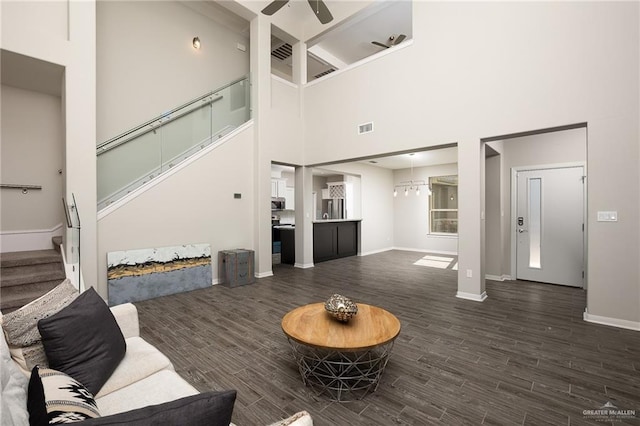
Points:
(130, 160)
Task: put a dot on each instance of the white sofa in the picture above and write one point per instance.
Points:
(144, 377)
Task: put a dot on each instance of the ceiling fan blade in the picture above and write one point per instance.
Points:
(377, 43)
(399, 39)
(274, 6)
(321, 10)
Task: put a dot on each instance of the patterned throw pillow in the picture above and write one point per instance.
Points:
(21, 327)
(55, 398)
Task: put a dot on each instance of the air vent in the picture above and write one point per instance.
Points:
(283, 52)
(365, 128)
(323, 73)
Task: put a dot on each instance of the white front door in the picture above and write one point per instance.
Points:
(550, 225)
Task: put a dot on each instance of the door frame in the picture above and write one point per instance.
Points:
(514, 200)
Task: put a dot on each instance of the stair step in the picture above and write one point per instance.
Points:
(12, 272)
(18, 296)
(31, 278)
(23, 258)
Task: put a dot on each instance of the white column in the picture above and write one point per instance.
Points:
(471, 283)
(304, 218)
(261, 105)
(80, 133)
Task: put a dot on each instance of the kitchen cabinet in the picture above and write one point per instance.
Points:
(290, 198)
(288, 241)
(333, 240)
(278, 187)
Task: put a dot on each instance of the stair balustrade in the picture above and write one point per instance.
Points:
(139, 155)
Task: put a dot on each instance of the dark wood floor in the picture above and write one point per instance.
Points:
(523, 356)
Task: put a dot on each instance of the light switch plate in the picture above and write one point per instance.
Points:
(611, 216)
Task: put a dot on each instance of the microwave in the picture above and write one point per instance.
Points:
(277, 203)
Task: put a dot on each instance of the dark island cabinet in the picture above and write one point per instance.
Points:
(332, 240)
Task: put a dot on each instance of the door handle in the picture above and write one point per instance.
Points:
(520, 230)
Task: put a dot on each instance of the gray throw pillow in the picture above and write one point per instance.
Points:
(84, 341)
(21, 326)
(209, 408)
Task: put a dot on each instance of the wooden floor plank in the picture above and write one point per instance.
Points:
(524, 356)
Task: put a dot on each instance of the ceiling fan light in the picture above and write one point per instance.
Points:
(406, 192)
(417, 190)
(395, 192)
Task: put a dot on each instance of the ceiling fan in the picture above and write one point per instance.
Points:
(393, 40)
(319, 8)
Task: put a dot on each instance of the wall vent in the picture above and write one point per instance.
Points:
(282, 52)
(323, 73)
(365, 128)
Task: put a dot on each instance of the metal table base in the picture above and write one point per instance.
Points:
(341, 375)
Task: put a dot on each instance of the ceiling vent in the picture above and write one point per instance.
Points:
(282, 52)
(323, 73)
(365, 128)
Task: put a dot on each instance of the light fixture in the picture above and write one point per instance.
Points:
(196, 43)
(411, 184)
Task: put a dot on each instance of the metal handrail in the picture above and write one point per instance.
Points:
(16, 186)
(102, 148)
(199, 98)
(65, 207)
(25, 188)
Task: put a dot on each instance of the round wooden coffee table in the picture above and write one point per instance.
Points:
(341, 360)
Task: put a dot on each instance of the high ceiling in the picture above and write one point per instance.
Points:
(343, 42)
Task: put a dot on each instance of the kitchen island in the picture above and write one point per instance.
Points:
(335, 238)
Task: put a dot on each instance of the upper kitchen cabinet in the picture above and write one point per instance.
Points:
(290, 198)
(278, 188)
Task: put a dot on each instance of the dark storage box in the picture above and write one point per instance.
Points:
(235, 267)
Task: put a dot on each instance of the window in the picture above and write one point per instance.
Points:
(443, 206)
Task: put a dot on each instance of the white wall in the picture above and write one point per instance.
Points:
(43, 19)
(194, 205)
(411, 213)
(32, 154)
(147, 65)
(479, 69)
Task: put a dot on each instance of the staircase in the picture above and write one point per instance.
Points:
(27, 275)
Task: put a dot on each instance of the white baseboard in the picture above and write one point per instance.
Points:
(612, 322)
(35, 239)
(472, 296)
(303, 265)
(448, 253)
(497, 277)
(263, 274)
(382, 250)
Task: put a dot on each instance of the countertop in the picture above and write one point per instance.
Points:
(284, 226)
(336, 220)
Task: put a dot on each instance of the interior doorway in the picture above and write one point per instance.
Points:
(548, 224)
